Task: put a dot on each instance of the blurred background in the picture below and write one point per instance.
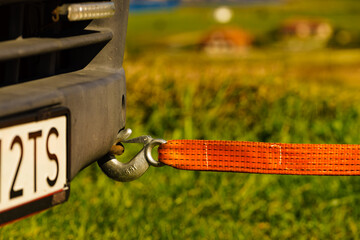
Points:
(252, 70)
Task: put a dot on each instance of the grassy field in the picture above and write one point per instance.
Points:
(266, 95)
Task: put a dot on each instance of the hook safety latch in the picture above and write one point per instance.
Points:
(136, 167)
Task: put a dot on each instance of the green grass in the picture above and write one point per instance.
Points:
(267, 95)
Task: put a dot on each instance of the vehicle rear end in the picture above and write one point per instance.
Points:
(62, 99)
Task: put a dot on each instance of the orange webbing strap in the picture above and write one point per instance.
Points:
(257, 157)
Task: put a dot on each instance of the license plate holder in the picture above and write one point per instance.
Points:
(34, 162)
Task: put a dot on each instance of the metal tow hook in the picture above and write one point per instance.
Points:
(136, 167)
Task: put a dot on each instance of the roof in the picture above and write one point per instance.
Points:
(235, 36)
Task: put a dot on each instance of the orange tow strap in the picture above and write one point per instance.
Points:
(257, 157)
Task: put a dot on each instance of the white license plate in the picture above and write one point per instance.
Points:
(33, 163)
